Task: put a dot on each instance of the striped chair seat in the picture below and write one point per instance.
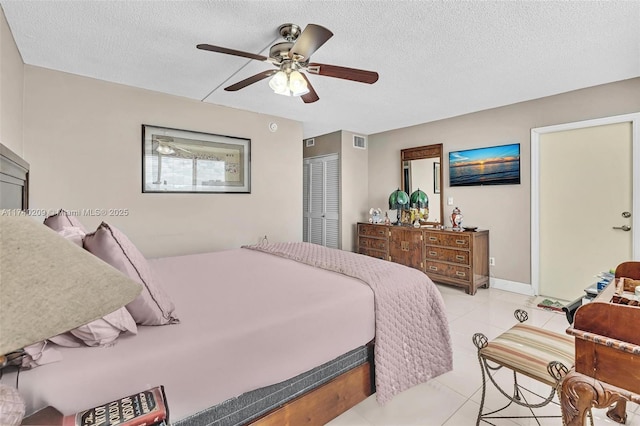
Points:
(528, 350)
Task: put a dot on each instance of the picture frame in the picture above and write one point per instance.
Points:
(493, 165)
(436, 178)
(185, 161)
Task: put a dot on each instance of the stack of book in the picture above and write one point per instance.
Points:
(145, 408)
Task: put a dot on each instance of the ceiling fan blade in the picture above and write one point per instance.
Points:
(310, 40)
(227, 51)
(312, 96)
(247, 81)
(345, 73)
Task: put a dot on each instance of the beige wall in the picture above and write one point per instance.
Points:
(353, 181)
(504, 210)
(82, 138)
(331, 143)
(354, 189)
(11, 89)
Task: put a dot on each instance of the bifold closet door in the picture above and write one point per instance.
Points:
(321, 199)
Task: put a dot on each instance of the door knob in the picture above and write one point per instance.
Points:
(623, 227)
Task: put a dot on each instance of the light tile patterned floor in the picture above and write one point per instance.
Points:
(453, 399)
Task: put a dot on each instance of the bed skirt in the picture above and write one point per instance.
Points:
(252, 405)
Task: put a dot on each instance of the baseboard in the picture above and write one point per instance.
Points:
(512, 286)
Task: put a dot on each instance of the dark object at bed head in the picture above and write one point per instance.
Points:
(14, 180)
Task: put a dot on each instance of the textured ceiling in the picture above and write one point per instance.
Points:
(435, 59)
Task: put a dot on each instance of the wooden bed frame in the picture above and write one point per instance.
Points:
(325, 402)
(316, 407)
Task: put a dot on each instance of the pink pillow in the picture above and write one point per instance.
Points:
(62, 219)
(74, 234)
(103, 331)
(40, 353)
(152, 306)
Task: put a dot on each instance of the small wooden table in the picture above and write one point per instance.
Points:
(48, 416)
(607, 360)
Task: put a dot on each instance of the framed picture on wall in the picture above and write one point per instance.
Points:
(179, 161)
(494, 165)
(436, 178)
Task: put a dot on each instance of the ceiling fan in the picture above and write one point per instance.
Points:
(290, 58)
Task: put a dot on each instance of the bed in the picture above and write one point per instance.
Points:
(268, 334)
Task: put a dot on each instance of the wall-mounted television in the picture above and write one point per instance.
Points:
(494, 165)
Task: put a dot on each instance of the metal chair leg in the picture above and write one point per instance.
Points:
(557, 370)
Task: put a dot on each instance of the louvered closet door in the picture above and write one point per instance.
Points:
(321, 201)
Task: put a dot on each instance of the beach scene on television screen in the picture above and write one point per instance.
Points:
(496, 165)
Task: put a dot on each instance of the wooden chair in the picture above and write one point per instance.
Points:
(631, 269)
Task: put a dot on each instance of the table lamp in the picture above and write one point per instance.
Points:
(419, 199)
(48, 286)
(398, 200)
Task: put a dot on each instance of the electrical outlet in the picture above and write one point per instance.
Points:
(492, 261)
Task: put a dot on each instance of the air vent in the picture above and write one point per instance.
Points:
(359, 142)
(309, 142)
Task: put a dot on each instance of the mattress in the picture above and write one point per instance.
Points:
(253, 404)
(248, 320)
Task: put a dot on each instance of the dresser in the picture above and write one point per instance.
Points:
(449, 257)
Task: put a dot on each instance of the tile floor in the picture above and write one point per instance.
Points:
(453, 399)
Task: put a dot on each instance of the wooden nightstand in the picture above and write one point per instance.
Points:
(48, 416)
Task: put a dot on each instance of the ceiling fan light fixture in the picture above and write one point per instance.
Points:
(165, 149)
(293, 55)
(279, 83)
(297, 84)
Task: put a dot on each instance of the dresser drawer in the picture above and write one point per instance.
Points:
(372, 230)
(373, 243)
(448, 270)
(450, 239)
(447, 255)
(374, 253)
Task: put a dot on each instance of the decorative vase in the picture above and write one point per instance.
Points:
(456, 219)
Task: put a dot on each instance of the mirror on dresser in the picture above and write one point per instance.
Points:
(422, 169)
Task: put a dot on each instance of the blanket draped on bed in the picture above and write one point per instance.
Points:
(412, 333)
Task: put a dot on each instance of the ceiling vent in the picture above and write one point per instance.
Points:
(359, 142)
(309, 142)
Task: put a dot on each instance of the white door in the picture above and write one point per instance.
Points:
(584, 192)
(321, 200)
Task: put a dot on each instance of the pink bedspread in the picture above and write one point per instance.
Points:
(413, 343)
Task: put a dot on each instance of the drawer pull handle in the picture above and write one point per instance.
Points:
(433, 268)
(461, 274)
(433, 238)
(460, 241)
(433, 253)
(459, 257)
